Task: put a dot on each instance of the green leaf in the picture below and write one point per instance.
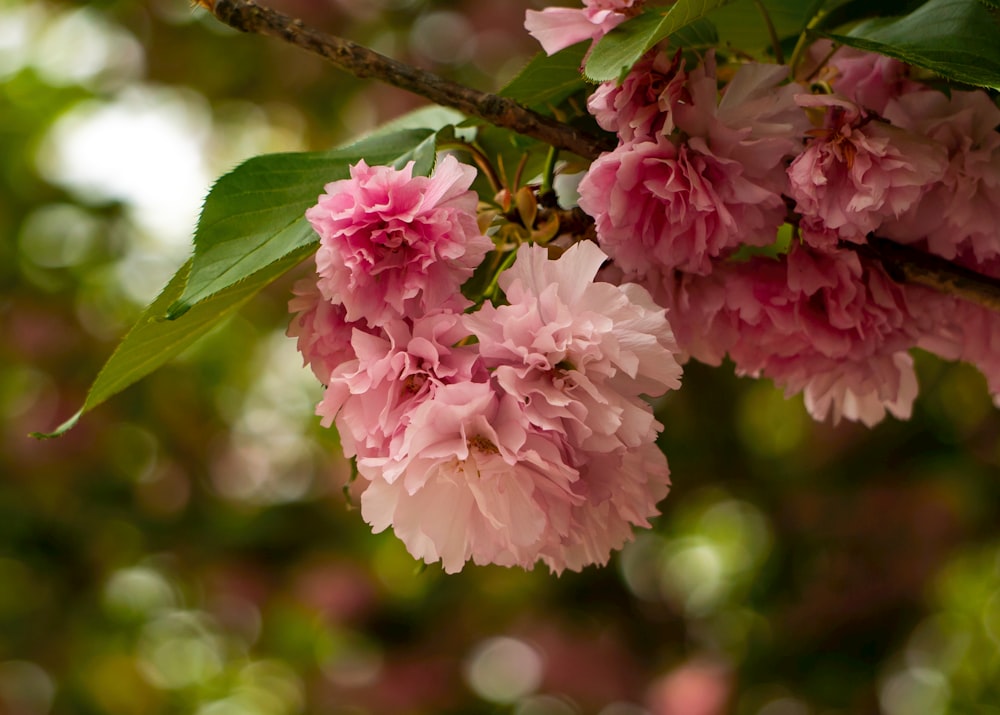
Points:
(958, 39)
(154, 340)
(699, 35)
(741, 26)
(547, 80)
(616, 52)
(254, 215)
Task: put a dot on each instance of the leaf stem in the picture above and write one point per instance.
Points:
(779, 56)
(803, 41)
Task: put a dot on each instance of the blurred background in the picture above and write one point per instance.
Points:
(188, 548)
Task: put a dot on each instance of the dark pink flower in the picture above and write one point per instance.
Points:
(393, 244)
(322, 331)
(639, 108)
(859, 171)
(660, 207)
(962, 210)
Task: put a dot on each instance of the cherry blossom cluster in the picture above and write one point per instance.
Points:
(507, 432)
(708, 175)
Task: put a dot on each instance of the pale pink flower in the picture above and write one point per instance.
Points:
(620, 491)
(859, 171)
(556, 28)
(371, 397)
(759, 123)
(962, 210)
(470, 479)
(861, 392)
(660, 207)
(323, 333)
(576, 353)
(393, 244)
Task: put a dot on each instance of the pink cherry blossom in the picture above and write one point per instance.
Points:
(869, 79)
(393, 244)
(372, 396)
(660, 207)
(638, 108)
(470, 479)
(577, 353)
(859, 171)
(323, 333)
(962, 210)
(962, 330)
(556, 28)
(820, 323)
(620, 491)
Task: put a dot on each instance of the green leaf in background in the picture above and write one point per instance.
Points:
(154, 340)
(742, 28)
(958, 39)
(547, 80)
(615, 53)
(254, 215)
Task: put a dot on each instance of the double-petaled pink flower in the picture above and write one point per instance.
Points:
(393, 244)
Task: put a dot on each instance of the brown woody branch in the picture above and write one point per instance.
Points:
(904, 264)
(248, 16)
(908, 265)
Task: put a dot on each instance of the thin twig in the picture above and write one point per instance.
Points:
(248, 16)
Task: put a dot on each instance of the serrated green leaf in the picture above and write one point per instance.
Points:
(615, 53)
(699, 35)
(547, 80)
(154, 340)
(254, 215)
(958, 39)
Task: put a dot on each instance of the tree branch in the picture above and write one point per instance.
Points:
(908, 265)
(248, 16)
(904, 264)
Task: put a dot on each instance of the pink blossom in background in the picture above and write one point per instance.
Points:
(393, 244)
(556, 28)
(660, 207)
(860, 171)
(962, 210)
(470, 479)
(322, 331)
(372, 396)
(697, 687)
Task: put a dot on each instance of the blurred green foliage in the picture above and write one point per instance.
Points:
(189, 547)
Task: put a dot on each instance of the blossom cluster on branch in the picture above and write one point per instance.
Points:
(511, 433)
(508, 423)
(702, 181)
